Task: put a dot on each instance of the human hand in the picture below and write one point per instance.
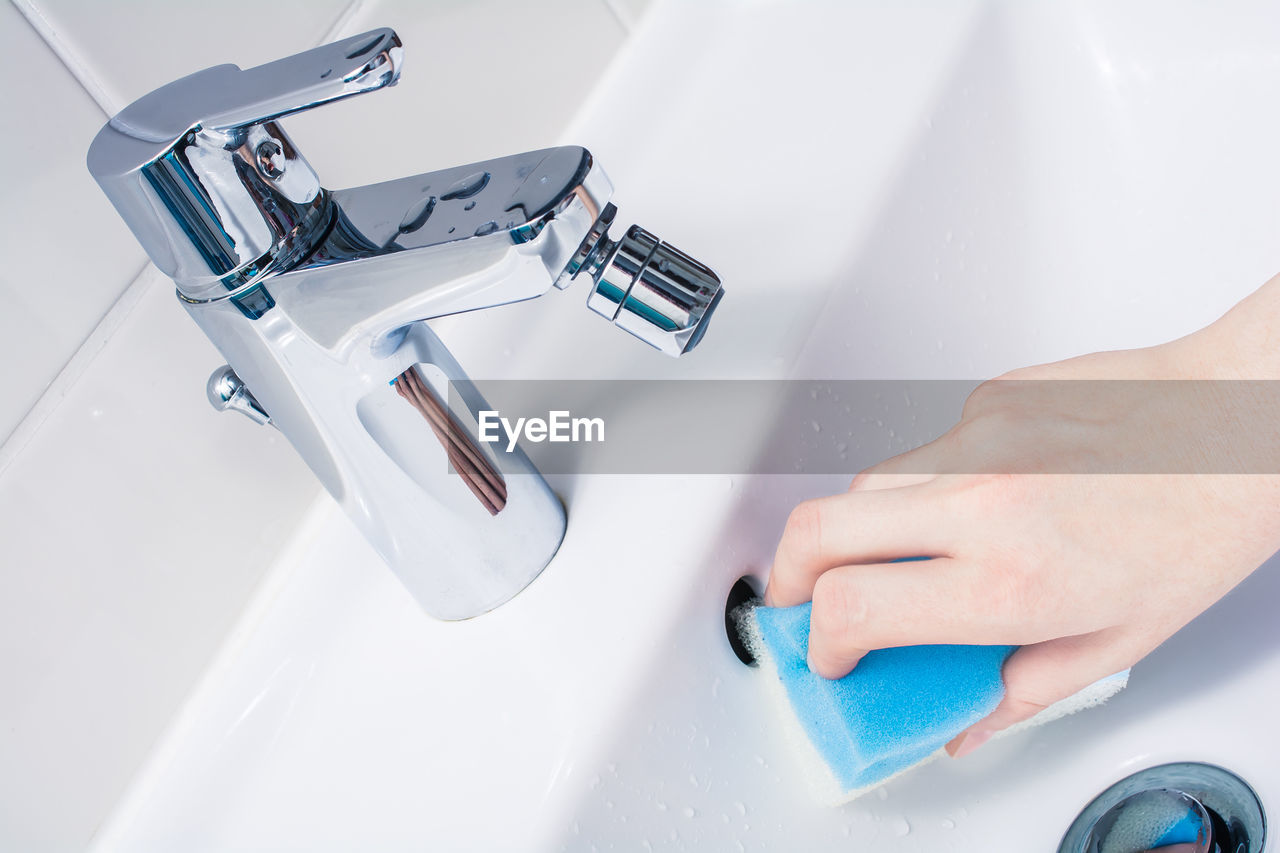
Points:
(1038, 536)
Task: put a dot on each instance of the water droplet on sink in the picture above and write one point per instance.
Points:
(882, 793)
(741, 807)
(469, 205)
(487, 228)
(948, 823)
(467, 187)
(689, 812)
(662, 806)
(901, 827)
(817, 427)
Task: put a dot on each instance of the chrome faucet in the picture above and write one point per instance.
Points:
(317, 299)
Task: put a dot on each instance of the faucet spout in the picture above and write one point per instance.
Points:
(442, 243)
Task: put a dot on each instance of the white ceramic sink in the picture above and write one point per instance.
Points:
(920, 190)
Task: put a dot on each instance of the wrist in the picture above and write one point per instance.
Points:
(1242, 344)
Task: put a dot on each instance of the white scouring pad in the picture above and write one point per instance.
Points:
(897, 708)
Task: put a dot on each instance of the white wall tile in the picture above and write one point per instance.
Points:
(481, 79)
(67, 256)
(136, 524)
(130, 48)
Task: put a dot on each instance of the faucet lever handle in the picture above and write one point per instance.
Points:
(210, 184)
(225, 99)
(318, 76)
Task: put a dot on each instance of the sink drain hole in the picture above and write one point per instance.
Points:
(1192, 807)
(742, 593)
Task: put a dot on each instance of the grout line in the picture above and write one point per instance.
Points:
(88, 81)
(57, 390)
(65, 381)
(621, 15)
(604, 85)
(345, 17)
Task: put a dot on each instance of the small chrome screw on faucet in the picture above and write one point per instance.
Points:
(270, 157)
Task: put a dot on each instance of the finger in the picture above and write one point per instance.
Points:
(912, 468)
(853, 528)
(1039, 675)
(877, 606)
(871, 481)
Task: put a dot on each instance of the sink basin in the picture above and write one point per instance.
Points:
(909, 191)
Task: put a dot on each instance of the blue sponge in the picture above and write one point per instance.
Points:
(897, 708)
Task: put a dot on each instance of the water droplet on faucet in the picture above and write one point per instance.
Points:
(467, 187)
(487, 228)
(417, 214)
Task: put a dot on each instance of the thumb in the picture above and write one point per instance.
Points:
(1038, 675)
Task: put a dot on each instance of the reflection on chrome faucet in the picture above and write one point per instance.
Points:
(316, 298)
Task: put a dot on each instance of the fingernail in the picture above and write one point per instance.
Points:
(768, 597)
(808, 659)
(970, 742)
